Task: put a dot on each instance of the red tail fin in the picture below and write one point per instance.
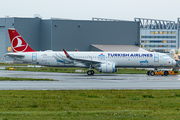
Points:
(18, 43)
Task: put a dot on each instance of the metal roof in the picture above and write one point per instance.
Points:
(119, 48)
(156, 24)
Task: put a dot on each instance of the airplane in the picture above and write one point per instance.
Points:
(105, 62)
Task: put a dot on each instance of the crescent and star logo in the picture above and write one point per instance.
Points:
(18, 44)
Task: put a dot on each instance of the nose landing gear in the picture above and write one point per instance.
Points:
(152, 73)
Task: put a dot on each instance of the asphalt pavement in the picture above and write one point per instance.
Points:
(79, 81)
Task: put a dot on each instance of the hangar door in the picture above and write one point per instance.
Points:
(2, 44)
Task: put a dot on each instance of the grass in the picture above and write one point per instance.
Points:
(13, 64)
(72, 70)
(89, 104)
(24, 79)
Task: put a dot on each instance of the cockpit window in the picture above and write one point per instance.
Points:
(166, 57)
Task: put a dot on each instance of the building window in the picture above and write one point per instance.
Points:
(162, 32)
(158, 36)
(164, 46)
(8, 49)
(158, 41)
(156, 32)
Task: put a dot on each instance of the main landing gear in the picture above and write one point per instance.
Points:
(91, 71)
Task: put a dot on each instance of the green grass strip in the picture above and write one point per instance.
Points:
(72, 70)
(89, 104)
(24, 79)
(69, 70)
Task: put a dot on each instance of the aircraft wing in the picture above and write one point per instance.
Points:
(87, 62)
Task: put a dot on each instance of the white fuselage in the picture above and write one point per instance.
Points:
(121, 59)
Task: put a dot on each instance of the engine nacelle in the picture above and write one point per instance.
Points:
(106, 68)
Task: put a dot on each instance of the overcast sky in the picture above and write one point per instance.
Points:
(86, 9)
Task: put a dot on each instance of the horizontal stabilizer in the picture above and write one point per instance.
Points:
(13, 55)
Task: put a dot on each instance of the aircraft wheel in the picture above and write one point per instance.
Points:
(166, 73)
(152, 73)
(92, 72)
(89, 72)
(148, 73)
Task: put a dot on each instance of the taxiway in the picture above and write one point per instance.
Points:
(77, 81)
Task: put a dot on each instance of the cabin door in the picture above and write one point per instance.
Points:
(34, 57)
(156, 57)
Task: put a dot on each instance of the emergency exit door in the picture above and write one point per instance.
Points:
(156, 57)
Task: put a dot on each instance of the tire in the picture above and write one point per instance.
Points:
(152, 73)
(92, 72)
(89, 72)
(148, 73)
(166, 73)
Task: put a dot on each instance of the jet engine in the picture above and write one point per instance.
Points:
(106, 67)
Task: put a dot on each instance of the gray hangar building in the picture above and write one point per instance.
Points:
(57, 34)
